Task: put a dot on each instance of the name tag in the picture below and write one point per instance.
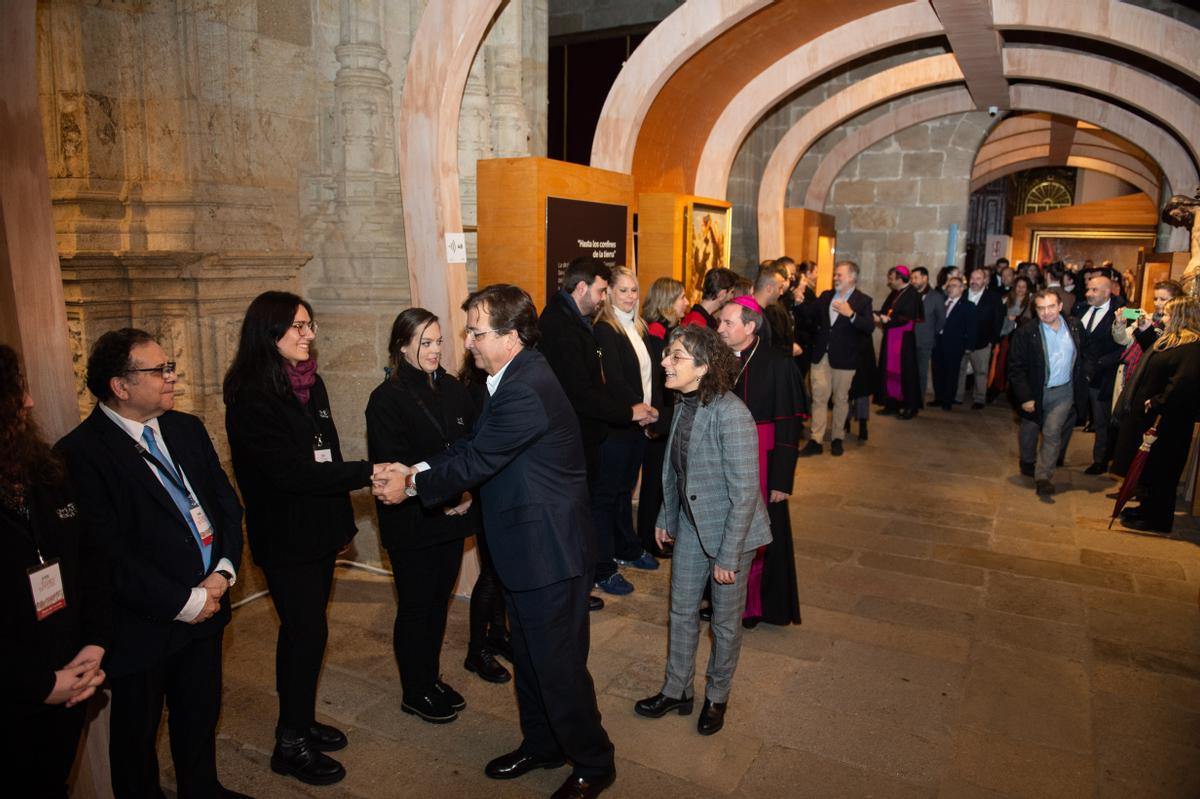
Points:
(323, 455)
(200, 518)
(47, 585)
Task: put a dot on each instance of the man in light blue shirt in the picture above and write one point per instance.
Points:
(1044, 373)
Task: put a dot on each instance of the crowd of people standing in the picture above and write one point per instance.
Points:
(610, 431)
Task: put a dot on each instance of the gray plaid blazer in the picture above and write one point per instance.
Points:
(721, 486)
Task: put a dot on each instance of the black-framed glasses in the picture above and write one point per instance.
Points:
(299, 327)
(164, 370)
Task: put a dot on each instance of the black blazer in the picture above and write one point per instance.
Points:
(622, 373)
(1027, 368)
(297, 510)
(571, 350)
(989, 318)
(1101, 354)
(525, 455)
(155, 560)
(843, 340)
(408, 421)
(958, 332)
(34, 649)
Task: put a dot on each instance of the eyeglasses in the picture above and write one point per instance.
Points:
(164, 371)
(675, 357)
(299, 327)
(480, 333)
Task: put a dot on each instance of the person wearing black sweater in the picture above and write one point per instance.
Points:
(416, 413)
(53, 650)
(288, 463)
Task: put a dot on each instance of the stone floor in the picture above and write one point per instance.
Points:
(960, 639)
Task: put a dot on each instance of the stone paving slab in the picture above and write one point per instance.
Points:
(961, 639)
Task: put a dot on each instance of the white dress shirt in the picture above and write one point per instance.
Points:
(1095, 314)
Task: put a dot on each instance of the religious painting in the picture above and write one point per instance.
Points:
(1094, 244)
(579, 227)
(707, 246)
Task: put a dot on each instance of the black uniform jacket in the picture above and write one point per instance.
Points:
(409, 421)
(34, 649)
(155, 560)
(297, 510)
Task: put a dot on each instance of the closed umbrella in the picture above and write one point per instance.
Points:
(1135, 470)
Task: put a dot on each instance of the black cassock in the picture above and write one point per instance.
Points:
(898, 382)
(769, 384)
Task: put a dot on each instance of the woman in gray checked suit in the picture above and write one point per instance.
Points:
(714, 513)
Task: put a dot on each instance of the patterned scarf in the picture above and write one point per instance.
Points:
(302, 376)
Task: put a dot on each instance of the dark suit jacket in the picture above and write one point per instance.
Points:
(297, 510)
(844, 339)
(1027, 368)
(34, 649)
(1100, 353)
(525, 455)
(958, 329)
(155, 560)
(989, 318)
(570, 348)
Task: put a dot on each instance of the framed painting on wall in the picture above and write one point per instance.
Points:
(707, 244)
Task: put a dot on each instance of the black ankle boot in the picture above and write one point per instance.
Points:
(481, 661)
(294, 755)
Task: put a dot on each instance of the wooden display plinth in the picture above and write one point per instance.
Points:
(512, 196)
(810, 236)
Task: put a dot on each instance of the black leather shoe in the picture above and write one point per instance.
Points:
(584, 787)
(453, 697)
(595, 603)
(835, 447)
(811, 448)
(431, 706)
(295, 756)
(1145, 526)
(1096, 468)
(751, 622)
(500, 645)
(657, 706)
(1027, 468)
(1044, 488)
(706, 613)
(324, 738)
(484, 663)
(1132, 512)
(516, 763)
(712, 717)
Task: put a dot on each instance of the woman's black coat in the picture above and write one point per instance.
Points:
(34, 650)
(409, 421)
(622, 373)
(297, 510)
(1170, 380)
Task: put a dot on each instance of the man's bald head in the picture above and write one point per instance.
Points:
(1099, 289)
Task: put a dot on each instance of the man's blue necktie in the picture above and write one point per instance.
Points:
(178, 495)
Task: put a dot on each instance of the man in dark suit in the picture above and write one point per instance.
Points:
(569, 346)
(526, 457)
(1046, 376)
(989, 318)
(842, 321)
(1101, 355)
(150, 486)
(953, 341)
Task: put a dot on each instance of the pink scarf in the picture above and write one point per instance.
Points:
(302, 376)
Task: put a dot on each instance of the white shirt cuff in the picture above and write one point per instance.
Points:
(422, 466)
(227, 565)
(193, 606)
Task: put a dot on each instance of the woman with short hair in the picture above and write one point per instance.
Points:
(713, 512)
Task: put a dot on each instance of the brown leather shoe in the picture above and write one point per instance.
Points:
(584, 787)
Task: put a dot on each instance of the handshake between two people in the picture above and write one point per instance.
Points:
(644, 414)
(389, 480)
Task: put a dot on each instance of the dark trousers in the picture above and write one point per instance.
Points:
(946, 365)
(424, 582)
(488, 618)
(43, 749)
(650, 497)
(1101, 409)
(301, 596)
(556, 699)
(189, 681)
(612, 500)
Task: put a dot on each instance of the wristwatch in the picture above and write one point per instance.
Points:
(410, 485)
(228, 575)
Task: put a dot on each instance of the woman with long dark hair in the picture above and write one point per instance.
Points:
(296, 488)
(55, 613)
(417, 412)
(1018, 309)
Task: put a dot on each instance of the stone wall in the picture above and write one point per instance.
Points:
(200, 153)
(580, 16)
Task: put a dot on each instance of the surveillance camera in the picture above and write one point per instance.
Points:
(993, 111)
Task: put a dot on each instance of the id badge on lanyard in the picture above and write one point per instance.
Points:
(321, 453)
(46, 582)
